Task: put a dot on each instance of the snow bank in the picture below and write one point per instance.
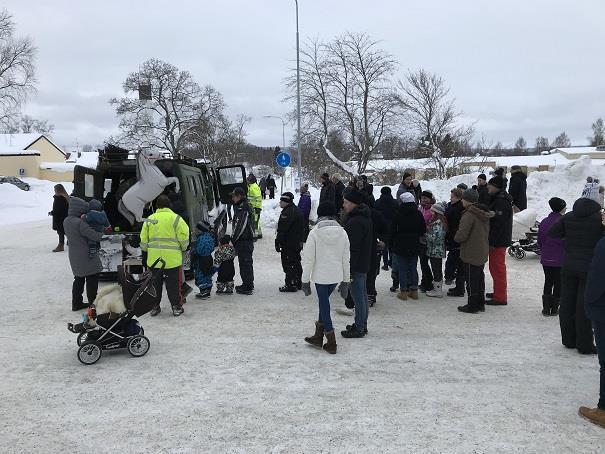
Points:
(18, 206)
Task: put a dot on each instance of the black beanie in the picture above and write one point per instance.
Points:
(497, 182)
(353, 196)
(287, 197)
(326, 209)
(385, 190)
(557, 204)
(482, 177)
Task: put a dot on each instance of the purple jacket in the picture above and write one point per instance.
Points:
(304, 204)
(553, 249)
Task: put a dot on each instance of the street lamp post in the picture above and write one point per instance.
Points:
(299, 161)
(283, 129)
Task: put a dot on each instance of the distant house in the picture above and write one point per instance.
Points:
(576, 152)
(24, 155)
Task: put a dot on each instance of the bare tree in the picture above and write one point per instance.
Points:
(17, 70)
(431, 113)
(598, 133)
(177, 107)
(542, 144)
(562, 141)
(521, 145)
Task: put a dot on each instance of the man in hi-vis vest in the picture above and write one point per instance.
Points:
(166, 235)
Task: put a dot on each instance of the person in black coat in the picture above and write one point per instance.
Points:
(454, 270)
(59, 213)
(289, 241)
(387, 206)
(271, 186)
(517, 188)
(581, 228)
(380, 230)
(358, 225)
(242, 238)
(339, 188)
(327, 192)
(500, 238)
(481, 188)
(594, 301)
(407, 228)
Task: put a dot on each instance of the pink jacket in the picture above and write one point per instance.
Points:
(426, 212)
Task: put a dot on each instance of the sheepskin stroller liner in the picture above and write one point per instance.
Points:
(112, 330)
(525, 234)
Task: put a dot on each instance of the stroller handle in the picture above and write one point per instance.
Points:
(159, 260)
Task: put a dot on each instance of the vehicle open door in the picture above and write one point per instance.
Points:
(230, 177)
(88, 183)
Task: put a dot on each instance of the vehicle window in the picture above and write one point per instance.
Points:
(106, 187)
(89, 185)
(230, 175)
(192, 185)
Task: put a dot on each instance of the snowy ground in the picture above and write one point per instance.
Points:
(233, 374)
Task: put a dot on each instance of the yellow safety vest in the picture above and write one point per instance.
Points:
(254, 196)
(165, 235)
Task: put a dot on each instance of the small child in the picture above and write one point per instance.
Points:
(591, 189)
(223, 262)
(97, 219)
(436, 250)
(202, 259)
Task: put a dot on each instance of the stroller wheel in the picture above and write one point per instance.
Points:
(519, 254)
(89, 352)
(138, 346)
(82, 338)
(511, 251)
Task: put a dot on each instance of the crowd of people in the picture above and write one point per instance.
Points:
(450, 241)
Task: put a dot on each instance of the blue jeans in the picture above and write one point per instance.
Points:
(323, 295)
(408, 272)
(599, 337)
(359, 294)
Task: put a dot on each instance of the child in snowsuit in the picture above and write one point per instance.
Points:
(97, 219)
(202, 259)
(223, 263)
(435, 245)
(591, 190)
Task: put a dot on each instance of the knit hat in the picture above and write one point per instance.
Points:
(515, 167)
(438, 208)
(95, 205)
(203, 226)
(239, 191)
(428, 194)
(287, 197)
(251, 178)
(499, 171)
(462, 186)
(226, 239)
(407, 197)
(470, 195)
(385, 190)
(497, 182)
(482, 177)
(353, 196)
(457, 192)
(557, 204)
(325, 176)
(326, 209)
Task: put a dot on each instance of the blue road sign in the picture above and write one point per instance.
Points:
(283, 159)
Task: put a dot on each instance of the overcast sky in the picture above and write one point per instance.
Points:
(516, 67)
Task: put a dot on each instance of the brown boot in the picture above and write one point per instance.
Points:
(330, 346)
(413, 294)
(317, 339)
(59, 248)
(403, 295)
(594, 415)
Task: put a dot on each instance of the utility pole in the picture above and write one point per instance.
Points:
(299, 160)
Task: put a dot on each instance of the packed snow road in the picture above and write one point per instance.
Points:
(233, 374)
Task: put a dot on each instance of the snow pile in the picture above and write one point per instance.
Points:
(18, 206)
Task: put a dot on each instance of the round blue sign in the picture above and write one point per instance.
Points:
(283, 159)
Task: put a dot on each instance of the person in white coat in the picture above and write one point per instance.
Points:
(326, 258)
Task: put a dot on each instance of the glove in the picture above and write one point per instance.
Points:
(277, 246)
(306, 288)
(343, 289)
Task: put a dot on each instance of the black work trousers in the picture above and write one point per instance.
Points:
(475, 285)
(244, 250)
(290, 262)
(173, 278)
(427, 275)
(552, 281)
(454, 268)
(576, 329)
(92, 286)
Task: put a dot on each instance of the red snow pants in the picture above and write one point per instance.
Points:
(497, 268)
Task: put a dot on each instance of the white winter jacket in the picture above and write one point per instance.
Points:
(326, 254)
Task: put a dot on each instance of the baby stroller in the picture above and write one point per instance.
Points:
(111, 330)
(525, 235)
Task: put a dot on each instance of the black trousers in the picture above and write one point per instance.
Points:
(61, 236)
(173, 278)
(427, 275)
(77, 289)
(576, 329)
(552, 281)
(436, 267)
(454, 268)
(245, 249)
(475, 285)
(599, 335)
(271, 193)
(290, 262)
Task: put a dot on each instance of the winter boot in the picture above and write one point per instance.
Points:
(403, 295)
(371, 300)
(594, 415)
(288, 289)
(177, 310)
(204, 294)
(155, 311)
(455, 292)
(413, 294)
(317, 339)
(244, 290)
(78, 306)
(351, 327)
(468, 309)
(547, 302)
(437, 291)
(330, 346)
(59, 248)
(554, 310)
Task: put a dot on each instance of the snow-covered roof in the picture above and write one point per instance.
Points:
(15, 151)
(576, 150)
(22, 141)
